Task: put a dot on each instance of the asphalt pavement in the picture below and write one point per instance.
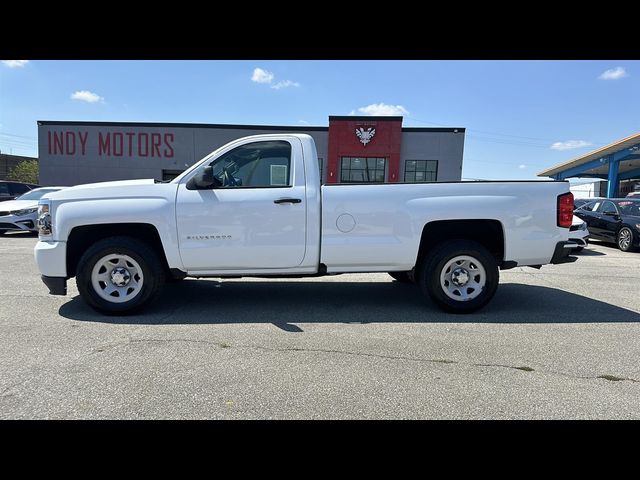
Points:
(560, 342)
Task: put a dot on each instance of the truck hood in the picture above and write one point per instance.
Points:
(121, 188)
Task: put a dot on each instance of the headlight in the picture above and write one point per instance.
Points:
(44, 220)
(25, 211)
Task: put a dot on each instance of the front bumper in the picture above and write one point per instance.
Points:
(562, 251)
(23, 223)
(580, 237)
(56, 285)
(51, 258)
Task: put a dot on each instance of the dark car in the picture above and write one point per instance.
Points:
(615, 220)
(10, 190)
(578, 202)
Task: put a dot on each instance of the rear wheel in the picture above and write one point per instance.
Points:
(119, 275)
(403, 277)
(625, 239)
(460, 276)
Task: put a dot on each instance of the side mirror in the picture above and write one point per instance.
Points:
(202, 180)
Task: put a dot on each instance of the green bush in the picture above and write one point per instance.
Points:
(26, 172)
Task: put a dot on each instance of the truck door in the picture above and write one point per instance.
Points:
(254, 217)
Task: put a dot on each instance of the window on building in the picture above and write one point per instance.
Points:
(362, 169)
(421, 171)
(257, 164)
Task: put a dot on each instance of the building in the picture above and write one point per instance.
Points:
(351, 149)
(617, 163)
(8, 163)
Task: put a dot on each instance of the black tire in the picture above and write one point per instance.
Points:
(622, 245)
(142, 253)
(403, 277)
(436, 260)
(2, 232)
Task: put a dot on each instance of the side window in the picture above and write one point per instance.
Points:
(18, 188)
(607, 207)
(258, 164)
(593, 206)
(4, 190)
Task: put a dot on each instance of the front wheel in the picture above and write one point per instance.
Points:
(625, 239)
(460, 276)
(119, 275)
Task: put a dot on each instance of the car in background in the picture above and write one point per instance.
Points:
(634, 194)
(579, 233)
(614, 220)
(21, 214)
(10, 190)
(578, 202)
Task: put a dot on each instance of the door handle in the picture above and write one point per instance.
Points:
(287, 200)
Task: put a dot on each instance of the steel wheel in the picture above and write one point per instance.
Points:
(625, 238)
(462, 278)
(117, 278)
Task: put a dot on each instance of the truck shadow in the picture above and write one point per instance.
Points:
(287, 304)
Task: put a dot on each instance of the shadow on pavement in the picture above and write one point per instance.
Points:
(288, 304)
(589, 253)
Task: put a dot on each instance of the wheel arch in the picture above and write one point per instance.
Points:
(83, 236)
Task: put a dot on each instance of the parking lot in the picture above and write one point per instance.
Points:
(560, 342)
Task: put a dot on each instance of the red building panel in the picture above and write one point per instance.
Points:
(345, 142)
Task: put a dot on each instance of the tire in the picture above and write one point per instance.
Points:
(403, 277)
(578, 249)
(138, 268)
(437, 269)
(624, 239)
(2, 232)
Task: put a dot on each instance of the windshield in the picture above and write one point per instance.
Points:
(36, 194)
(630, 208)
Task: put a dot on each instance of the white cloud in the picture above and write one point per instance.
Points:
(382, 110)
(15, 63)
(570, 145)
(86, 96)
(304, 122)
(285, 84)
(261, 76)
(613, 74)
(522, 166)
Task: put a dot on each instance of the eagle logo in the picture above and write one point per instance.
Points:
(365, 136)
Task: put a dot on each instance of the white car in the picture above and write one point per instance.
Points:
(578, 233)
(256, 208)
(21, 214)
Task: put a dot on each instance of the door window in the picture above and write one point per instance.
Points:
(4, 190)
(258, 164)
(607, 207)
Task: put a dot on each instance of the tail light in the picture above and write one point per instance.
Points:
(565, 209)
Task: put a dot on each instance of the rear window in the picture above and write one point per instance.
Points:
(4, 190)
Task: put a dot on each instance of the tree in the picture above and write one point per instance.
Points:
(26, 172)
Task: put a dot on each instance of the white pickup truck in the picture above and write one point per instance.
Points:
(255, 207)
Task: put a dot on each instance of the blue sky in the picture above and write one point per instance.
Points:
(521, 116)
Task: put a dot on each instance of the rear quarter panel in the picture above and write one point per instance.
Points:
(388, 220)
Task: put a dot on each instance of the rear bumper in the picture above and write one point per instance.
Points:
(562, 251)
(56, 285)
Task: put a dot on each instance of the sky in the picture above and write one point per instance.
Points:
(520, 116)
